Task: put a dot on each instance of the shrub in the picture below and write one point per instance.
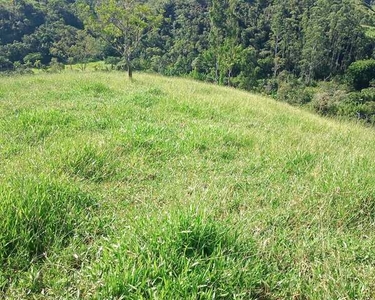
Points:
(5, 64)
(38, 64)
(31, 58)
(112, 60)
(366, 95)
(358, 105)
(325, 102)
(362, 111)
(269, 86)
(19, 68)
(291, 90)
(246, 82)
(361, 73)
(56, 66)
(293, 94)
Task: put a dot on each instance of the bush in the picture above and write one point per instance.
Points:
(20, 69)
(293, 94)
(31, 58)
(363, 111)
(245, 82)
(112, 60)
(366, 95)
(268, 86)
(56, 66)
(5, 64)
(326, 102)
(292, 91)
(122, 65)
(361, 73)
(358, 105)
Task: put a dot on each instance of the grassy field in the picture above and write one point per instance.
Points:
(165, 188)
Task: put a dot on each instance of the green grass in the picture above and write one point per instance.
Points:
(36, 214)
(165, 188)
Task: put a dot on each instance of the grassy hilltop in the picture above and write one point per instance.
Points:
(166, 188)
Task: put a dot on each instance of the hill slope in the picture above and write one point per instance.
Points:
(173, 189)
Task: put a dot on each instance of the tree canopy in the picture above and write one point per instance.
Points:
(245, 43)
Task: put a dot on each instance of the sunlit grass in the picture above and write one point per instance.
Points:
(168, 188)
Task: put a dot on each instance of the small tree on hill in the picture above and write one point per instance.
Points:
(122, 23)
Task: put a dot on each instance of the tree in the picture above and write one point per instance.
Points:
(334, 38)
(76, 46)
(224, 38)
(183, 36)
(122, 23)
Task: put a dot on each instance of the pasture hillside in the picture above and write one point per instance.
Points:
(165, 188)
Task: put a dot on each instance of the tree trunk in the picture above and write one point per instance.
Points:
(217, 71)
(275, 60)
(130, 69)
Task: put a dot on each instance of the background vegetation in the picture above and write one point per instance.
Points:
(284, 48)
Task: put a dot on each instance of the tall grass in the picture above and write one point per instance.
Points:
(200, 192)
(36, 214)
(183, 256)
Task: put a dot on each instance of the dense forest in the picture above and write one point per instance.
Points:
(315, 52)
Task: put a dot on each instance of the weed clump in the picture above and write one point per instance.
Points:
(186, 255)
(90, 163)
(31, 127)
(361, 213)
(147, 98)
(35, 215)
(96, 89)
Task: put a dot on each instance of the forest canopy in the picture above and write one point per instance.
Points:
(273, 46)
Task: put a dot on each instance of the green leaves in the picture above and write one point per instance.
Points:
(361, 73)
(122, 23)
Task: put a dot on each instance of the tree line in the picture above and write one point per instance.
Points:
(280, 47)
